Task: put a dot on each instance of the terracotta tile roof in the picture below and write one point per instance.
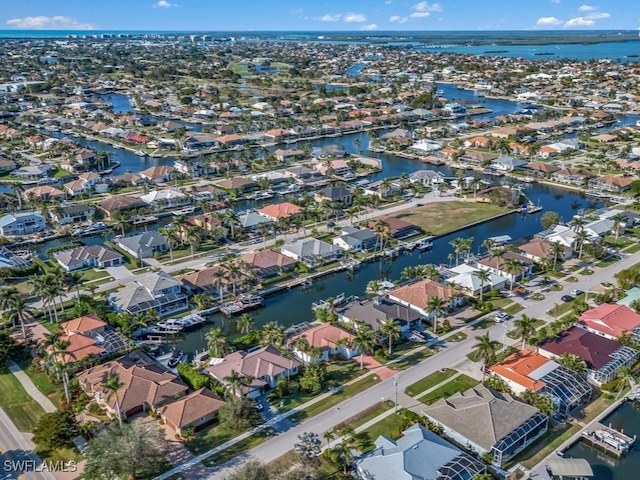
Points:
(540, 248)
(518, 366)
(83, 324)
(80, 346)
(394, 224)
(418, 293)
(280, 210)
(205, 278)
(188, 409)
(610, 319)
(592, 348)
(267, 259)
(499, 263)
(323, 336)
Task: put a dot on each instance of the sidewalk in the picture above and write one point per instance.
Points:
(30, 387)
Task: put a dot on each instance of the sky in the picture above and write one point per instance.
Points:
(319, 15)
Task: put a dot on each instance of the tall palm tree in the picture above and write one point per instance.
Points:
(74, 280)
(435, 306)
(489, 244)
(525, 327)
(273, 334)
(581, 238)
(201, 301)
(364, 341)
(171, 237)
(194, 238)
(236, 381)
(458, 245)
(245, 324)
(18, 191)
(390, 330)
(328, 436)
(484, 276)
(557, 250)
(409, 272)
(112, 385)
(513, 268)
(119, 220)
(624, 377)
(7, 294)
(57, 349)
(486, 351)
(618, 222)
(217, 342)
(20, 312)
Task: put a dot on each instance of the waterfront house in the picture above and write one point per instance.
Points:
(573, 176)
(339, 168)
(418, 455)
(488, 422)
(396, 227)
(356, 240)
(507, 164)
(527, 370)
(144, 384)
(286, 156)
(86, 336)
(237, 185)
(427, 178)
(73, 213)
(311, 251)
(44, 192)
(340, 195)
(276, 211)
(207, 223)
(251, 220)
(195, 410)
(269, 263)
(499, 265)
(208, 280)
(378, 310)
(263, 366)
(464, 277)
(32, 172)
(416, 295)
(603, 356)
(200, 142)
(540, 169)
(165, 198)
(22, 223)
(127, 179)
(143, 245)
(610, 321)
(158, 174)
(120, 203)
(330, 340)
(89, 256)
(157, 291)
(611, 183)
(304, 175)
(538, 249)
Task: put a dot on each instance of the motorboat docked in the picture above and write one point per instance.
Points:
(613, 438)
(263, 196)
(184, 211)
(140, 153)
(499, 240)
(175, 359)
(118, 146)
(241, 304)
(90, 230)
(425, 244)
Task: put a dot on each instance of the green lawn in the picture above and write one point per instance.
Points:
(458, 384)
(366, 415)
(456, 337)
(445, 217)
(633, 248)
(236, 449)
(336, 398)
(209, 438)
(93, 274)
(514, 308)
(413, 359)
(429, 381)
(536, 324)
(473, 356)
(607, 262)
(41, 380)
(545, 445)
(23, 410)
(486, 323)
(500, 302)
(390, 426)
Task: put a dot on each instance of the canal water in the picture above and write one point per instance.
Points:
(605, 467)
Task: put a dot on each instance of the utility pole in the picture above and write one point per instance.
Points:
(395, 384)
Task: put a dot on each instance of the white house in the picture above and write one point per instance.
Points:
(21, 223)
(328, 339)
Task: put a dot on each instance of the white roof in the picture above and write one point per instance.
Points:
(167, 194)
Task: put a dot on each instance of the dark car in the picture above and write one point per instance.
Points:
(331, 224)
(566, 298)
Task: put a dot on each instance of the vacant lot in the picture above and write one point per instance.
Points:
(444, 217)
(429, 381)
(458, 384)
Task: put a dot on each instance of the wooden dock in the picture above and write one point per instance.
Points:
(607, 439)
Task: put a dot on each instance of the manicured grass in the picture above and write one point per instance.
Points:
(236, 449)
(514, 308)
(458, 384)
(445, 217)
(336, 398)
(92, 274)
(545, 445)
(364, 416)
(41, 380)
(486, 323)
(500, 302)
(429, 381)
(536, 324)
(607, 262)
(413, 359)
(473, 356)
(632, 248)
(391, 426)
(586, 271)
(209, 438)
(456, 337)
(23, 410)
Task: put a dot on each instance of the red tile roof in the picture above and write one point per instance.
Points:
(592, 348)
(280, 210)
(323, 336)
(518, 366)
(610, 319)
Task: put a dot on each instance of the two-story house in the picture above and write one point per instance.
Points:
(157, 291)
(21, 223)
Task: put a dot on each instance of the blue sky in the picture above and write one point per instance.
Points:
(322, 15)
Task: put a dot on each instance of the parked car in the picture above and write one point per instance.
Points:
(501, 317)
(566, 298)
(576, 291)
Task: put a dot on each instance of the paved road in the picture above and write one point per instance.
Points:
(452, 355)
(16, 448)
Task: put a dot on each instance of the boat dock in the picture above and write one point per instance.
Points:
(140, 220)
(608, 439)
(241, 305)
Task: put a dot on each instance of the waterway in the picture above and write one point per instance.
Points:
(605, 467)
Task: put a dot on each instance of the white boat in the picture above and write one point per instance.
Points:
(613, 438)
(425, 244)
(263, 195)
(637, 123)
(140, 153)
(175, 359)
(117, 146)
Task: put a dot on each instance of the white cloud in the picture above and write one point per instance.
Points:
(388, 2)
(331, 18)
(579, 22)
(597, 16)
(548, 22)
(164, 4)
(419, 14)
(427, 7)
(398, 19)
(370, 27)
(355, 18)
(586, 8)
(42, 22)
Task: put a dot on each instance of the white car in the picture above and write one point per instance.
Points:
(501, 317)
(576, 291)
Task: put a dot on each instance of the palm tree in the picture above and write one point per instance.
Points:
(245, 324)
(618, 222)
(273, 334)
(365, 341)
(525, 327)
(624, 377)
(217, 342)
(431, 272)
(513, 268)
(489, 244)
(409, 273)
(18, 311)
(201, 301)
(484, 276)
(328, 436)
(74, 280)
(112, 385)
(573, 362)
(391, 330)
(57, 348)
(7, 294)
(486, 351)
(458, 245)
(581, 237)
(236, 381)
(435, 306)
(264, 229)
(557, 250)
(119, 220)
(194, 238)
(171, 237)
